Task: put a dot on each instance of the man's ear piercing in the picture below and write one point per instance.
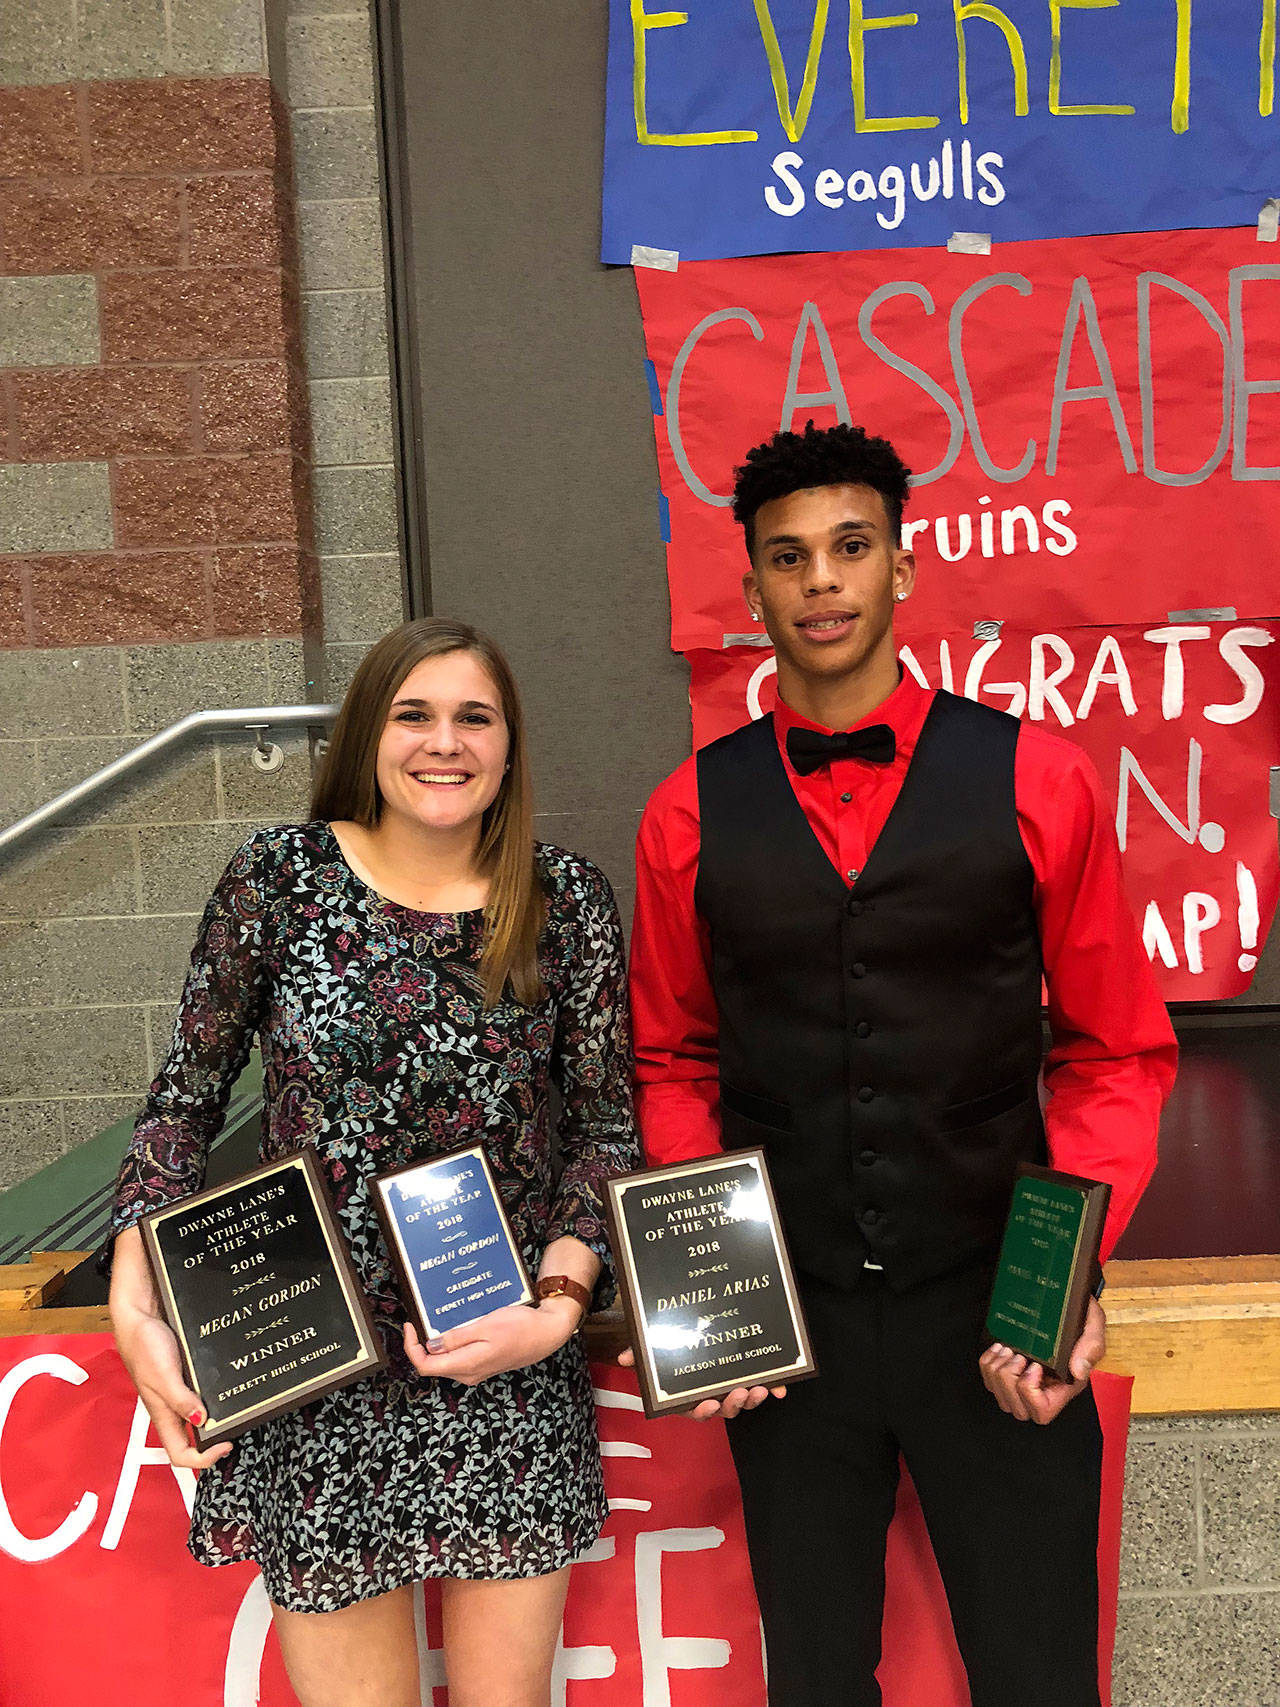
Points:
(755, 616)
(900, 597)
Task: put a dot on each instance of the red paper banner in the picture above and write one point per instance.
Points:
(1094, 423)
(1181, 720)
(661, 1613)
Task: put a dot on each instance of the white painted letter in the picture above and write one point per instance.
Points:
(784, 165)
(32, 1549)
(581, 1665)
(1108, 653)
(660, 1655)
(1129, 767)
(1043, 689)
(1171, 695)
(1200, 913)
(1156, 938)
(1232, 646)
(136, 1454)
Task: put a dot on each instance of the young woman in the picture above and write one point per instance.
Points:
(420, 971)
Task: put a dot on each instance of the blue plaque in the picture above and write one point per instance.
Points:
(450, 1239)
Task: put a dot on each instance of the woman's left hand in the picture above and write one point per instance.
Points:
(509, 1338)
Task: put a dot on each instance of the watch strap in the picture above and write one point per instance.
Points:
(560, 1286)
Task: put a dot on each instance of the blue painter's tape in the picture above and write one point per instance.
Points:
(655, 390)
(664, 518)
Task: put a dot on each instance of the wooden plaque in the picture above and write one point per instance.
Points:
(256, 1282)
(1048, 1265)
(706, 1280)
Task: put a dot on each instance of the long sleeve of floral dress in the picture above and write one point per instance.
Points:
(220, 1011)
(376, 1051)
(591, 1065)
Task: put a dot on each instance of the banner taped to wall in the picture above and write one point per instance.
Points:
(114, 1610)
(1094, 427)
(750, 127)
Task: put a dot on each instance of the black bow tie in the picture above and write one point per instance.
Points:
(807, 749)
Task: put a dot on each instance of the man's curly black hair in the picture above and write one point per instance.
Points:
(819, 456)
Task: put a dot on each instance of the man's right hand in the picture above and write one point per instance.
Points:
(741, 1398)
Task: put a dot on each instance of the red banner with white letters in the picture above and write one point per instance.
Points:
(1093, 423)
(1094, 427)
(104, 1604)
(1181, 720)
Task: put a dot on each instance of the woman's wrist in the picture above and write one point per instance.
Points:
(133, 1290)
(563, 1314)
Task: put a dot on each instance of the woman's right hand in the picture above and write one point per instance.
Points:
(149, 1350)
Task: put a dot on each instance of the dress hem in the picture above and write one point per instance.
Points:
(434, 1571)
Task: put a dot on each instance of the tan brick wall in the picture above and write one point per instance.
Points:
(169, 202)
(153, 412)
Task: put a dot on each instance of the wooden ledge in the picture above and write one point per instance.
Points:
(27, 1289)
(1196, 1334)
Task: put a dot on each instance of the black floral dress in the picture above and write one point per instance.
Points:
(378, 1051)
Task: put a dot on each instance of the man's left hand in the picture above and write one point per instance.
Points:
(1027, 1390)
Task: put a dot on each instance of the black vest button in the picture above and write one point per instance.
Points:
(862, 1029)
(856, 909)
(845, 799)
(857, 970)
(869, 1217)
(869, 1158)
(865, 1094)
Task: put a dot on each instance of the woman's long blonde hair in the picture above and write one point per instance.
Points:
(347, 789)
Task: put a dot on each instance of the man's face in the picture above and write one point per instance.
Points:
(826, 568)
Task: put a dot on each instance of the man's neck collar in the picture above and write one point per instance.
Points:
(843, 710)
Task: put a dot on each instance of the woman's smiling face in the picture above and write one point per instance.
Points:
(443, 753)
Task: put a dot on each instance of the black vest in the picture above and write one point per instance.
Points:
(882, 1042)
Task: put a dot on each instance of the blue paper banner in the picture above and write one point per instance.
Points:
(743, 127)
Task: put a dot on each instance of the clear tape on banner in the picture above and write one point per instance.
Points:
(1208, 613)
(661, 260)
(987, 630)
(969, 243)
(1269, 220)
(753, 638)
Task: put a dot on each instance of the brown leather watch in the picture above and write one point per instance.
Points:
(560, 1286)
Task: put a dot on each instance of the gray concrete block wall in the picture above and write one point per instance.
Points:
(98, 917)
(60, 41)
(1200, 1563)
(322, 61)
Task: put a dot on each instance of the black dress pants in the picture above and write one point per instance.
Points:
(1011, 1507)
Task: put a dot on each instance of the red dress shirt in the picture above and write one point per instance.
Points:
(1113, 1054)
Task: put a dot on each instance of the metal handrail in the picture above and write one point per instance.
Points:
(253, 718)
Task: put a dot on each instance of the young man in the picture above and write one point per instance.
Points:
(843, 917)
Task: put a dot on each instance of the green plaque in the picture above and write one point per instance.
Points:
(1048, 1265)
